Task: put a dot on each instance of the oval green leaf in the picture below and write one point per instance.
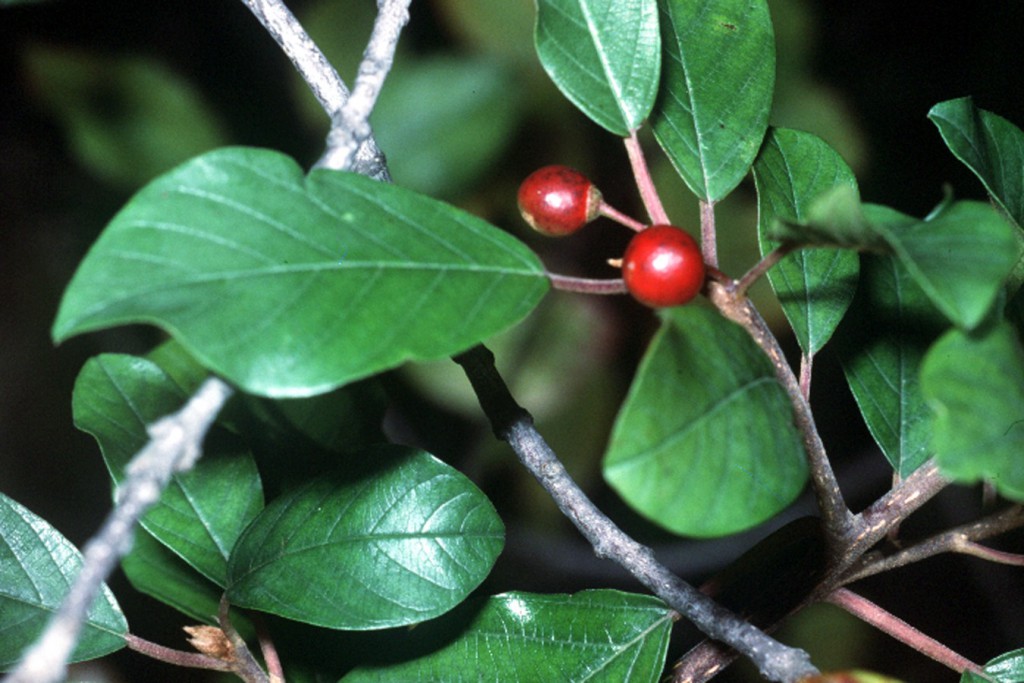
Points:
(202, 512)
(705, 443)
(989, 145)
(594, 635)
(37, 567)
(881, 346)
(401, 542)
(975, 385)
(292, 286)
(814, 286)
(604, 55)
(718, 76)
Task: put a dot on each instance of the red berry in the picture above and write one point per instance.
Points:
(558, 200)
(663, 266)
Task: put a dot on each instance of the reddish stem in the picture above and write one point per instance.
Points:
(587, 285)
(888, 623)
(806, 369)
(193, 660)
(644, 183)
(609, 211)
(708, 233)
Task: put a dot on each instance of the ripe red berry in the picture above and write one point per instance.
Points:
(558, 200)
(663, 266)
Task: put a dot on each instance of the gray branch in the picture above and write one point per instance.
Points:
(174, 446)
(513, 424)
(324, 81)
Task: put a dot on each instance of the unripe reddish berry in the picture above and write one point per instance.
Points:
(663, 267)
(558, 200)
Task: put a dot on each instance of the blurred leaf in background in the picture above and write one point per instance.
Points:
(126, 118)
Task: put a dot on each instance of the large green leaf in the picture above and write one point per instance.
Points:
(989, 145)
(975, 384)
(604, 55)
(718, 75)
(881, 346)
(961, 256)
(37, 567)
(401, 541)
(705, 443)
(202, 512)
(291, 286)
(814, 286)
(594, 635)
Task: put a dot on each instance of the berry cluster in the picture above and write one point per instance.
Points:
(662, 265)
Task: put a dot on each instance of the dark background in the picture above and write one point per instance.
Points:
(880, 65)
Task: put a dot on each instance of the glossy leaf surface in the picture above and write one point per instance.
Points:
(595, 635)
(1006, 668)
(400, 542)
(705, 443)
(718, 76)
(814, 286)
(604, 55)
(202, 512)
(975, 385)
(881, 346)
(292, 286)
(37, 567)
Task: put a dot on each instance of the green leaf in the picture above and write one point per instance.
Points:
(881, 345)
(717, 80)
(292, 286)
(989, 145)
(37, 567)
(594, 635)
(401, 542)
(975, 385)
(1007, 668)
(705, 443)
(126, 118)
(154, 570)
(604, 55)
(815, 287)
(961, 258)
(202, 512)
(441, 145)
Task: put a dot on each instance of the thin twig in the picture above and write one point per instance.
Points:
(587, 285)
(837, 517)
(958, 540)
(245, 665)
(708, 233)
(168, 655)
(609, 211)
(806, 371)
(761, 267)
(644, 182)
(350, 127)
(884, 621)
(511, 423)
(319, 74)
(174, 446)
